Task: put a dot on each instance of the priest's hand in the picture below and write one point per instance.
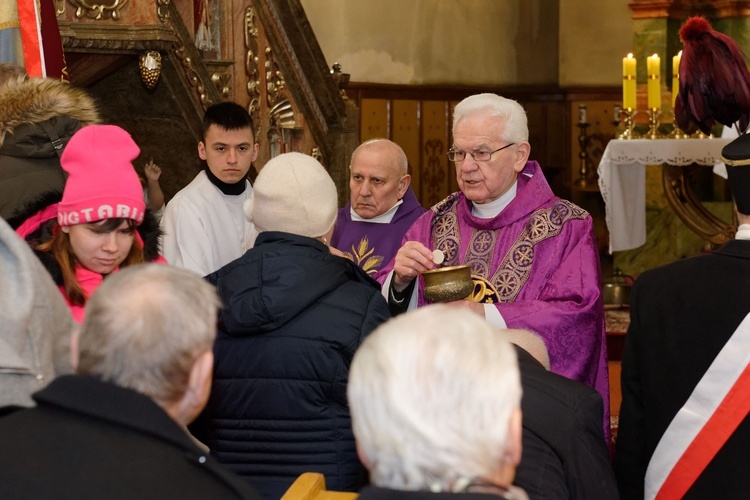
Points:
(474, 307)
(412, 258)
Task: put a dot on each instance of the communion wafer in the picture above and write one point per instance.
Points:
(438, 257)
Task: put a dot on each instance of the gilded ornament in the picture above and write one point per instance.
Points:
(99, 9)
(162, 10)
(150, 68)
(251, 65)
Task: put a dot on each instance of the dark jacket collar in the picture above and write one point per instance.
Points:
(279, 278)
(735, 248)
(95, 398)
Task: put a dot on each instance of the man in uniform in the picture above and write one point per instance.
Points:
(684, 427)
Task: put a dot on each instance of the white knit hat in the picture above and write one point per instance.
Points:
(293, 193)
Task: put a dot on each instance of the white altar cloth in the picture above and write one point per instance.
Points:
(622, 180)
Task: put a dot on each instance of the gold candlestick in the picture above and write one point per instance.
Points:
(627, 131)
(653, 124)
(676, 132)
(583, 181)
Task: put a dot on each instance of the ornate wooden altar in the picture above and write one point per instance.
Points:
(140, 61)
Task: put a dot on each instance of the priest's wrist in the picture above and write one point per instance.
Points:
(398, 294)
(399, 284)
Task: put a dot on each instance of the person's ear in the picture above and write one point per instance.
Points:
(65, 229)
(256, 148)
(195, 397)
(506, 470)
(361, 455)
(202, 150)
(403, 185)
(199, 384)
(523, 150)
(514, 447)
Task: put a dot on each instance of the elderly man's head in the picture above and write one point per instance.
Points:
(435, 402)
(490, 145)
(378, 177)
(151, 328)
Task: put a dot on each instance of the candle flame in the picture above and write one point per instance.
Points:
(655, 56)
(630, 55)
(680, 54)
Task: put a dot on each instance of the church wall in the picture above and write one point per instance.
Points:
(594, 37)
(483, 42)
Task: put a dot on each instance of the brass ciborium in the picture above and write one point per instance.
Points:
(446, 284)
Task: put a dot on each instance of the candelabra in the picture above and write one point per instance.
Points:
(653, 124)
(676, 132)
(584, 181)
(627, 131)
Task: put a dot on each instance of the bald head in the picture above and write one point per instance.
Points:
(389, 152)
(379, 177)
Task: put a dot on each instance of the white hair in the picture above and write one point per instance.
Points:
(144, 328)
(512, 114)
(431, 394)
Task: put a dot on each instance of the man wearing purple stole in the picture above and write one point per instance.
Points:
(369, 228)
(533, 256)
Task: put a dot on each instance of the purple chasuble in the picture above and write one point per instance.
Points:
(371, 245)
(538, 262)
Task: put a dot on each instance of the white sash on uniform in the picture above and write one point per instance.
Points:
(717, 405)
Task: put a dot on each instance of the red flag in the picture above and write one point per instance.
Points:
(40, 37)
(31, 37)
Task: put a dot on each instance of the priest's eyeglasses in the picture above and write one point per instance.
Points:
(458, 155)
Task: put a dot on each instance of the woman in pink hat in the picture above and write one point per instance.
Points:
(102, 205)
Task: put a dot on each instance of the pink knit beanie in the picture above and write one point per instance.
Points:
(102, 183)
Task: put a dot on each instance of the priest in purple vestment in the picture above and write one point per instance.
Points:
(382, 207)
(533, 256)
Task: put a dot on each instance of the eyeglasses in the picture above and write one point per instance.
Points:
(458, 156)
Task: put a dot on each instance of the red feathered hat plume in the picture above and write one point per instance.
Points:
(714, 81)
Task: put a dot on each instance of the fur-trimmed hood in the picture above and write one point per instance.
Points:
(37, 119)
(37, 100)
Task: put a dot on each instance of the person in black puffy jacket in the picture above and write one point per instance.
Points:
(294, 314)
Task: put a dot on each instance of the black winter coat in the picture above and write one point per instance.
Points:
(88, 439)
(294, 315)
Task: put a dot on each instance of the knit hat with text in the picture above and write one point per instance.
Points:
(102, 183)
(293, 194)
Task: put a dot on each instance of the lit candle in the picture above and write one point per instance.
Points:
(628, 82)
(581, 113)
(676, 77)
(654, 89)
